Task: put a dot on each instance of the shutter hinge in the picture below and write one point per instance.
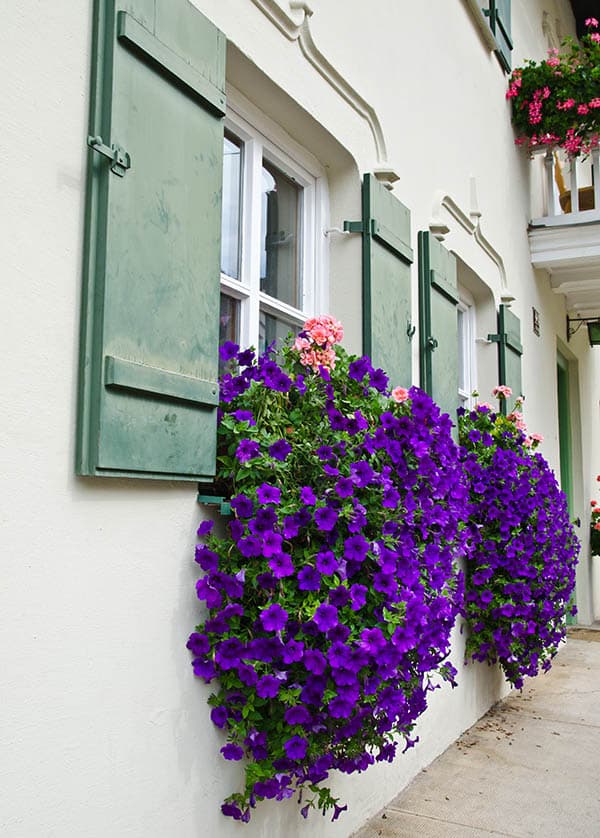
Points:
(501, 338)
(353, 226)
(215, 500)
(121, 161)
(432, 343)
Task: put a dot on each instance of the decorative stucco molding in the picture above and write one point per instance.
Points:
(470, 221)
(298, 29)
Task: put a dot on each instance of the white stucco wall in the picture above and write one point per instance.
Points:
(104, 729)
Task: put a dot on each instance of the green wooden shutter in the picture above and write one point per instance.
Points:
(438, 323)
(386, 261)
(148, 391)
(498, 14)
(510, 351)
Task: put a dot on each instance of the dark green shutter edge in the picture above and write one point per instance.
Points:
(148, 366)
(438, 323)
(510, 350)
(386, 287)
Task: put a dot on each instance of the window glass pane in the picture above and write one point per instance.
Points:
(462, 352)
(229, 320)
(232, 190)
(274, 329)
(280, 235)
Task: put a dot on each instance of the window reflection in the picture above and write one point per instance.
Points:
(274, 329)
(229, 323)
(280, 234)
(232, 193)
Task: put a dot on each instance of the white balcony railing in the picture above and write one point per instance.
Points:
(570, 189)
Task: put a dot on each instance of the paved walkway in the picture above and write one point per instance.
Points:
(530, 767)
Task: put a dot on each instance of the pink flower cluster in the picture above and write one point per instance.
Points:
(316, 341)
(502, 391)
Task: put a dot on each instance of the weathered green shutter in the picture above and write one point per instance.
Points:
(438, 323)
(386, 260)
(510, 350)
(148, 391)
(498, 14)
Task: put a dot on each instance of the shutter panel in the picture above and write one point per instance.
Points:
(438, 323)
(387, 257)
(149, 359)
(498, 14)
(510, 351)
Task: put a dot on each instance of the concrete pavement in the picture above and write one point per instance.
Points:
(529, 767)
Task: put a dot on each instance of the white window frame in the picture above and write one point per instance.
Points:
(262, 137)
(466, 305)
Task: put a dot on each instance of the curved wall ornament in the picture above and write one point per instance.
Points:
(300, 32)
(470, 222)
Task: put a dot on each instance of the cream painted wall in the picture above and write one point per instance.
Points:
(104, 730)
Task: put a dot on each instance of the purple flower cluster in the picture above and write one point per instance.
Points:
(333, 593)
(521, 572)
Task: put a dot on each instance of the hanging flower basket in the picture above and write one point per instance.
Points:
(556, 102)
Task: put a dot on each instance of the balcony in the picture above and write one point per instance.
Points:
(565, 237)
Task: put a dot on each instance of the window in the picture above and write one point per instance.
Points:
(497, 13)
(271, 250)
(467, 373)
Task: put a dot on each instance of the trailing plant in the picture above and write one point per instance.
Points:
(556, 102)
(521, 571)
(595, 526)
(332, 592)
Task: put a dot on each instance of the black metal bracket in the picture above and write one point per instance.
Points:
(580, 320)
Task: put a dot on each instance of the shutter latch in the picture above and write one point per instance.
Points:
(121, 161)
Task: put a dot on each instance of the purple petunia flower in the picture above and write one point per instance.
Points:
(232, 810)
(267, 686)
(268, 494)
(290, 527)
(271, 546)
(307, 496)
(244, 416)
(378, 380)
(250, 546)
(280, 449)
(281, 565)
(326, 518)
(339, 596)
(326, 617)
(198, 644)
(274, 617)
(326, 562)
(231, 751)
(204, 668)
(228, 350)
(296, 747)
(309, 579)
(242, 505)
(314, 661)
(358, 596)
(297, 715)
(207, 559)
(356, 548)
(205, 528)
(218, 716)
(293, 651)
(246, 357)
(344, 487)
(359, 368)
(372, 641)
(247, 449)
(325, 452)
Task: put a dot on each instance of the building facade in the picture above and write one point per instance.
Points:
(176, 173)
